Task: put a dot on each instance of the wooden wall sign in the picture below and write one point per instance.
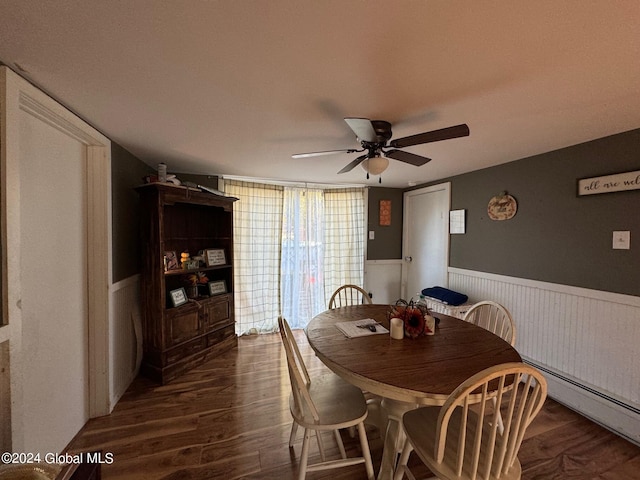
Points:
(385, 212)
(502, 207)
(609, 183)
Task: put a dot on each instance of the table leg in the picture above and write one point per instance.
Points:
(394, 435)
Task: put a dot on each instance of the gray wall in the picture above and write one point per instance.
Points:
(556, 236)
(388, 239)
(127, 172)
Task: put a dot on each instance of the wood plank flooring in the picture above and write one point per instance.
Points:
(229, 419)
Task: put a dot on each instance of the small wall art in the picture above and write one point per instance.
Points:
(385, 213)
(456, 222)
(609, 183)
(502, 207)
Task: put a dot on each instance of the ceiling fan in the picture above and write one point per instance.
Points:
(374, 136)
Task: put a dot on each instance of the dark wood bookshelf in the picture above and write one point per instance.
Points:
(178, 219)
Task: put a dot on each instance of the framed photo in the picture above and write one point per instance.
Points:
(171, 261)
(217, 287)
(178, 297)
(215, 256)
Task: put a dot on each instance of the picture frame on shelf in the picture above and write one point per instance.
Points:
(178, 297)
(171, 261)
(214, 257)
(217, 287)
(191, 264)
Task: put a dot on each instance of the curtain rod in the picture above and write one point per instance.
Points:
(284, 183)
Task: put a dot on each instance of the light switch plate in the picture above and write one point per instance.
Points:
(372, 235)
(621, 240)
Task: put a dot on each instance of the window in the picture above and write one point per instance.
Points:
(293, 248)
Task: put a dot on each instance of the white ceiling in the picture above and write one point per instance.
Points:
(236, 87)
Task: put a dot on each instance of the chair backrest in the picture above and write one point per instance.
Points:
(493, 317)
(349, 295)
(480, 448)
(298, 374)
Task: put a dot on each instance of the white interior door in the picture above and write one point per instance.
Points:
(425, 243)
(56, 269)
(54, 285)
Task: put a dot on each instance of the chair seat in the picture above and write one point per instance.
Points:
(339, 404)
(423, 440)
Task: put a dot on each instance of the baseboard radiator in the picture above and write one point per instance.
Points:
(586, 342)
(126, 341)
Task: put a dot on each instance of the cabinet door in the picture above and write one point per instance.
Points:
(181, 325)
(217, 312)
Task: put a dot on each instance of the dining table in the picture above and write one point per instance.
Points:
(407, 373)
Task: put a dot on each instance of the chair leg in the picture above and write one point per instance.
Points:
(292, 437)
(401, 467)
(343, 453)
(320, 446)
(366, 453)
(304, 455)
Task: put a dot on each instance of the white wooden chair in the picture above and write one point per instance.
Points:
(496, 318)
(326, 403)
(457, 442)
(345, 296)
(349, 295)
(493, 317)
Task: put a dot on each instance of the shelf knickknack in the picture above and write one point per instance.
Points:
(214, 257)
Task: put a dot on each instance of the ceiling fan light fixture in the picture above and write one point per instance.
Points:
(375, 165)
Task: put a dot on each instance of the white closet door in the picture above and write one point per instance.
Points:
(54, 285)
(425, 239)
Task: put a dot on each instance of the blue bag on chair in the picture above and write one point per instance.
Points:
(445, 295)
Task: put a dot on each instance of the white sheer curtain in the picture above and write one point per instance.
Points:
(302, 268)
(344, 237)
(293, 247)
(257, 234)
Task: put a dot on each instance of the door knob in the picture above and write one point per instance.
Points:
(408, 259)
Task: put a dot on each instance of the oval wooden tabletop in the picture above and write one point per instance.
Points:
(423, 370)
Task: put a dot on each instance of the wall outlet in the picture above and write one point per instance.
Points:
(621, 240)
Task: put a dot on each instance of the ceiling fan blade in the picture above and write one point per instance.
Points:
(327, 152)
(407, 157)
(363, 128)
(354, 164)
(433, 136)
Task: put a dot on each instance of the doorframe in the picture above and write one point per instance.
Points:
(18, 95)
(446, 186)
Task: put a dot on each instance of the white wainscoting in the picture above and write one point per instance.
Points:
(126, 340)
(383, 278)
(587, 342)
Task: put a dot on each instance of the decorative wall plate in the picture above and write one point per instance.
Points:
(502, 207)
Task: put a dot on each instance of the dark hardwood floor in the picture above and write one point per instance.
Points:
(229, 419)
